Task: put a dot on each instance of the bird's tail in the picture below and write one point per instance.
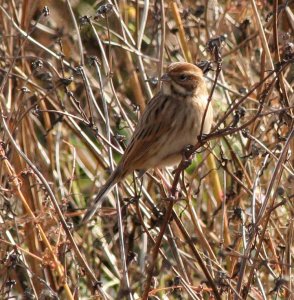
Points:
(114, 178)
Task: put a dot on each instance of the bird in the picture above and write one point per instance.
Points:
(171, 121)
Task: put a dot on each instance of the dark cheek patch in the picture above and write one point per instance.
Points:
(190, 85)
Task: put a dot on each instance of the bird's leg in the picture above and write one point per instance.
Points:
(202, 137)
(187, 154)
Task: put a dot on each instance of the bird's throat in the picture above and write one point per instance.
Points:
(175, 90)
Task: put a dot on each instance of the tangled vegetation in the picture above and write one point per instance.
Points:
(74, 78)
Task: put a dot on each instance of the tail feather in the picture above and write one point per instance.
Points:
(107, 187)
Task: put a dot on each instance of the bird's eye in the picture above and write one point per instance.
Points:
(183, 77)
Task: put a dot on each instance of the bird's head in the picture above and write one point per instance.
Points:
(182, 79)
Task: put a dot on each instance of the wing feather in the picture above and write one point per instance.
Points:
(149, 129)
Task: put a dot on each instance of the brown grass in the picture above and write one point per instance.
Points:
(73, 81)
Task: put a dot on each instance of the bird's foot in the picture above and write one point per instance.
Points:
(202, 137)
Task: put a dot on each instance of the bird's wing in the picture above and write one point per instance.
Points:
(142, 146)
(145, 140)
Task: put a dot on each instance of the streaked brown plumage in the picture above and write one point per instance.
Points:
(171, 121)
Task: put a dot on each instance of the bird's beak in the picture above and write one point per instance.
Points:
(165, 77)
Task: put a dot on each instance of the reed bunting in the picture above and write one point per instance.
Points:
(172, 120)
